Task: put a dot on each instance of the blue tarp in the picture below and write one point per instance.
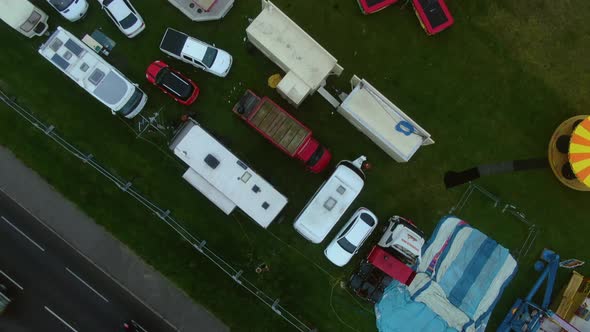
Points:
(461, 276)
(404, 314)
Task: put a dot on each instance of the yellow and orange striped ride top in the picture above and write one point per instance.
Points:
(579, 154)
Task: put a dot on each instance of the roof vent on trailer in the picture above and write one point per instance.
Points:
(56, 45)
(96, 76)
(330, 203)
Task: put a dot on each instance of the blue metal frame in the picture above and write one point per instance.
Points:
(524, 313)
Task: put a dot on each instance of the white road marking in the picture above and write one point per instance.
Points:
(41, 222)
(23, 234)
(87, 285)
(61, 320)
(11, 280)
(141, 327)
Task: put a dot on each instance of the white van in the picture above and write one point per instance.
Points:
(103, 81)
(330, 202)
(72, 10)
(24, 17)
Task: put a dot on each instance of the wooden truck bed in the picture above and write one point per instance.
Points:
(283, 129)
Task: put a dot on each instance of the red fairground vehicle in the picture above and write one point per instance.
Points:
(394, 257)
(373, 6)
(434, 15)
(172, 82)
(283, 130)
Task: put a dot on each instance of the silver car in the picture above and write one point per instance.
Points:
(124, 15)
(351, 237)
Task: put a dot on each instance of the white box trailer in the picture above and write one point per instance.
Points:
(91, 72)
(306, 62)
(331, 201)
(24, 17)
(383, 122)
(223, 178)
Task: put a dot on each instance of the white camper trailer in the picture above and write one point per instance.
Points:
(24, 17)
(306, 62)
(91, 72)
(330, 202)
(223, 178)
(383, 122)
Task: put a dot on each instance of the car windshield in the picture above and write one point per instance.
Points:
(161, 75)
(61, 5)
(209, 57)
(316, 156)
(346, 245)
(132, 102)
(128, 21)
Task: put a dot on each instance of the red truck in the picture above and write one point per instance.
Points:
(283, 130)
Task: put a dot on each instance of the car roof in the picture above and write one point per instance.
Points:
(118, 8)
(195, 48)
(358, 231)
(337, 255)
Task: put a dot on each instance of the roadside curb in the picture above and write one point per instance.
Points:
(88, 258)
(103, 250)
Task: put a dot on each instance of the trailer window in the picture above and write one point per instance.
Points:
(31, 22)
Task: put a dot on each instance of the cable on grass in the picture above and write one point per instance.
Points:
(334, 310)
(302, 255)
(176, 162)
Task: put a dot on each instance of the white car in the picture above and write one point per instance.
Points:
(195, 52)
(72, 10)
(351, 237)
(124, 15)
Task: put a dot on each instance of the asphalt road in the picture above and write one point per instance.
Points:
(53, 288)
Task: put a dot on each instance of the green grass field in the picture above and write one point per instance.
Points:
(491, 88)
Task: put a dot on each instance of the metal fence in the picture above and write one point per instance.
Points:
(165, 215)
(506, 208)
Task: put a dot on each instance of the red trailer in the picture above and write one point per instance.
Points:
(434, 16)
(373, 6)
(398, 250)
(283, 130)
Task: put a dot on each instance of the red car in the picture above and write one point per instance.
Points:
(373, 6)
(172, 82)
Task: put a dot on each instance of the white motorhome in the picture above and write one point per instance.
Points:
(24, 17)
(223, 178)
(103, 81)
(330, 202)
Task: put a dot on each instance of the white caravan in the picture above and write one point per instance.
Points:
(223, 178)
